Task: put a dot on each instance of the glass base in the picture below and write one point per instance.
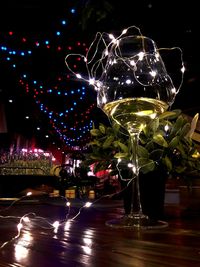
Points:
(140, 222)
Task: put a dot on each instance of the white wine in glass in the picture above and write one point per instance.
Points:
(135, 89)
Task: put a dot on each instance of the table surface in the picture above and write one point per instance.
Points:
(87, 241)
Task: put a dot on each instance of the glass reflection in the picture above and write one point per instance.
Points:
(22, 246)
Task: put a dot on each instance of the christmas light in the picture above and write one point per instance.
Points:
(96, 67)
(42, 222)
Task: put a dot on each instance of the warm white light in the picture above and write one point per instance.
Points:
(130, 165)
(183, 69)
(87, 250)
(21, 252)
(92, 81)
(111, 36)
(88, 204)
(132, 62)
(106, 52)
(68, 204)
(67, 225)
(153, 73)
(166, 127)
(56, 224)
(174, 90)
(87, 241)
(78, 76)
(104, 99)
(128, 81)
(29, 194)
(157, 56)
(141, 55)
(124, 31)
(98, 84)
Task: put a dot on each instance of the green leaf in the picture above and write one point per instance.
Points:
(178, 125)
(170, 114)
(108, 142)
(180, 169)
(94, 142)
(143, 152)
(185, 130)
(160, 140)
(95, 132)
(102, 128)
(174, 142)
(153, 125)
(121, 155)
(123, 147)
(146, 165)
(168, 163)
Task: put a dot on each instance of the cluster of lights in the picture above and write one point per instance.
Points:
(67, 119)
(96, 67)
(42, 222)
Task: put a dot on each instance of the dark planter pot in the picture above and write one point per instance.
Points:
(152, 194)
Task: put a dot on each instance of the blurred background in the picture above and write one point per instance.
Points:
(42, 105)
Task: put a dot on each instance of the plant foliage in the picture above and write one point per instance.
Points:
(166, 143)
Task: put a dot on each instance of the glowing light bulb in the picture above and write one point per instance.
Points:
(78, 76)
(56, 224)
(166, 127)
(124, 31)
(88, 204)
(111, 36)
(141, 56)
(153, 73)
(132, 62)
(183, 69)
(92, 81)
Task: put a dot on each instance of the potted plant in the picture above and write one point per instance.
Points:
(166, 151)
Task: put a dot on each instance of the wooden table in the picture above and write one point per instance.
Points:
(87, 241)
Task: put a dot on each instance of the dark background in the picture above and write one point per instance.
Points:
(168, 23)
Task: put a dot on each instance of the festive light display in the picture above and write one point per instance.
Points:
(60, 99)
(31, 218)
(96, 66)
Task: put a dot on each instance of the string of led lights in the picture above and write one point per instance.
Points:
(96, 67)
(32, 218)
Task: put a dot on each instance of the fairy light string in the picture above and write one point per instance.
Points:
(32, 218)
(96, 67)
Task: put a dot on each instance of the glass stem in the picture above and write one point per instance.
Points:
(136, 207)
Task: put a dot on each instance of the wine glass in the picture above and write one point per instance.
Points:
(133, 90)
